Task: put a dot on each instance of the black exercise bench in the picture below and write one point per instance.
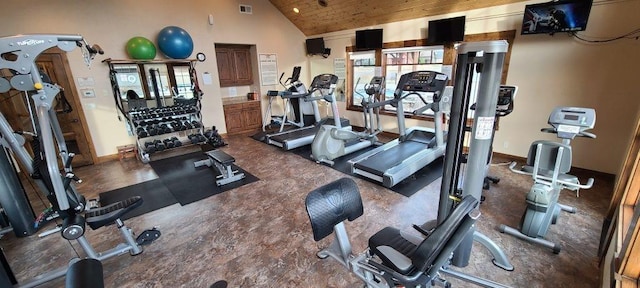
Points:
(222, 161)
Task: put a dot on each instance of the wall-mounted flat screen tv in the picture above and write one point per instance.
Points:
(443, 31)
(315, 46)
(558, 16)
(369, 39)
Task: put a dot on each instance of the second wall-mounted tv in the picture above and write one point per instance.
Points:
(369, 39)
(315, 46)
(558, 16)
(443, 31)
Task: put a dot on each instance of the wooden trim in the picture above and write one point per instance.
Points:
(107, 158)
(74, 93)
(621, 188)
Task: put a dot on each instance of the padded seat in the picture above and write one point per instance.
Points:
(390, 237)
(404, 257)
(220, 157)
(102, 216)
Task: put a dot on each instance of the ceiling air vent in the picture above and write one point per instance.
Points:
(246, 9)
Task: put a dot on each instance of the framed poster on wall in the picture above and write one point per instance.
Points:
(268, 69)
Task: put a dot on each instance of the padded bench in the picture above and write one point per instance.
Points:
(222, 161)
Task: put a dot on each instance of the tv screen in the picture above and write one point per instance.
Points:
(444, 31)
(369, 39)
(559, 16)
(315, 46)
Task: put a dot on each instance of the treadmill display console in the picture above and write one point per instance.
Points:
(324, 81)
(422, 81)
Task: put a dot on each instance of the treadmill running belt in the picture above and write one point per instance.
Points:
(381, 162)
(295, 134)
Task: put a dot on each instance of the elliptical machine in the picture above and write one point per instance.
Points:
(548, 163)
(303, 113)
(332, 141)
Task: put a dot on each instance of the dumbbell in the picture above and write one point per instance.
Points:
(159, 145)
(168, 143)
(141, 132)
(176, 142)
(153, 130)
(150, 147)
(194, 138)
(195, 124)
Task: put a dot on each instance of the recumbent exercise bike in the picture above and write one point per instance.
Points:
(548, 163)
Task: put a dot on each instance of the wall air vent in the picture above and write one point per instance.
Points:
(246, 9)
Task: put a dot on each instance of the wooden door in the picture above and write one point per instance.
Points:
(15, 108)
(71, 118)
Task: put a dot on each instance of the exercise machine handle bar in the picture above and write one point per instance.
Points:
(547, 180)
(26, 49)
(319, 83)
(581, 133)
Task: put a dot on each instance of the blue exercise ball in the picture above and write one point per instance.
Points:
(175, 42)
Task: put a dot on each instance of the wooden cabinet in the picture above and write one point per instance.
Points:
(244, 117)
(234, 65)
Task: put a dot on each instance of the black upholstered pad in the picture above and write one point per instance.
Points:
(391, 237)
(331, 204)
(102, 216)
(423, 255)
(220, 157)
(430, 248)
(85, 273)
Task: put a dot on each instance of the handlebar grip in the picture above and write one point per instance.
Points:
(587, 134)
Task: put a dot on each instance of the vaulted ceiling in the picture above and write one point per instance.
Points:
(323, 16)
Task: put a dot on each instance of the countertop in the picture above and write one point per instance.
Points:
(236, 100)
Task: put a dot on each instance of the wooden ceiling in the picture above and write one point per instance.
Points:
(314, 18)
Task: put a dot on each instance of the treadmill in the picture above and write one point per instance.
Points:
(417, 146)
(324, 85)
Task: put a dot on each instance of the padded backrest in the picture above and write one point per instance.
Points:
(430, 247)
(548, 156)
(331, 204)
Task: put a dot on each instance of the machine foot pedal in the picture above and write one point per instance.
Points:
(148, 236)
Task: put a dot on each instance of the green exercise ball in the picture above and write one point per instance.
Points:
(141, 48)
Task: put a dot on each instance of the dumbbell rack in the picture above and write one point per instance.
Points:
(165, 128)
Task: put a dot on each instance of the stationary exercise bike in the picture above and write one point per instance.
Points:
(332, 141)
(548, 163)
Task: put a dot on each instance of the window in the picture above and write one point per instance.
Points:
(397, 62)
(364, 64)
(398, 58)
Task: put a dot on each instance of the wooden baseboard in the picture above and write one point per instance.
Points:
(107, 158)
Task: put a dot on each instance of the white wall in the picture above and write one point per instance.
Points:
(112, 23)
(550, 71)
